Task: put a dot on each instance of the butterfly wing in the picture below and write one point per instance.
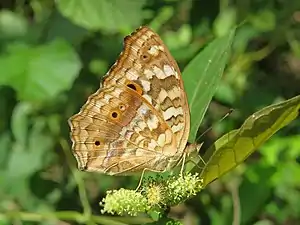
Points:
(139, 117)
(147, 61)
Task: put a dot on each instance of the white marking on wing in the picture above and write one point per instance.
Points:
(161, 141)
(159, 73)
(132, 74)
(170, 71)
(177, 127)
(172, 112)
(152, 122)
(146, 85)
(149, 74)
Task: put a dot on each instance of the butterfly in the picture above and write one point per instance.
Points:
(139, 118)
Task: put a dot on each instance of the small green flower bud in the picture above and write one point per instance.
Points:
(124, 202)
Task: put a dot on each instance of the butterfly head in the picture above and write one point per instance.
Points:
(191, 148)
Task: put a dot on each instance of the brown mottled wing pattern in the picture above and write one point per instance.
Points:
(139, 119)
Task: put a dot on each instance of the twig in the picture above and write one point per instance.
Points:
(70, 216)
(80, 183)
(234, 188)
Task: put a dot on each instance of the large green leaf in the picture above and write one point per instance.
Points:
(201, 78)
(110, 15)
(234, 147)
(41, 72)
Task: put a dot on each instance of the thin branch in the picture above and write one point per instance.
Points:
(67, 215)
(79, 180)
(234, 188)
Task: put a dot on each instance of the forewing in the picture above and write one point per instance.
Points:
(147, 62)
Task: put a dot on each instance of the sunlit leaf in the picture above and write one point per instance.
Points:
(235, 146)
(201, 78)
(12, 24)
(41, 72)
(110, 15)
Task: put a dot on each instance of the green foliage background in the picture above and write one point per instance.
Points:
(52, 57)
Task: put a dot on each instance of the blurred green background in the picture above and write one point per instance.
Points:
(52, 57)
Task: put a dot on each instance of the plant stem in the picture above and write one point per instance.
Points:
(71, 216)
(79, 180)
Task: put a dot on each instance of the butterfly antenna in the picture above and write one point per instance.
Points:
(221, 119)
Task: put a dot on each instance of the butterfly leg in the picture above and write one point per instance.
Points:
(196, 163)
(185, 161)
(181, 161)
(183, 164)
(201, 159)
(194, 149)
(141, 179)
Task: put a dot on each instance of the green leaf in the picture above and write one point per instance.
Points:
(12, 25)
(25, 160)
(263, 222)
(225, 21)
(110, 15)
(201, 77)
(5, 146)
(265, 20)
(19, 122)
(260, 189)
(39, 73)
(59, 26)
(234, 147)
